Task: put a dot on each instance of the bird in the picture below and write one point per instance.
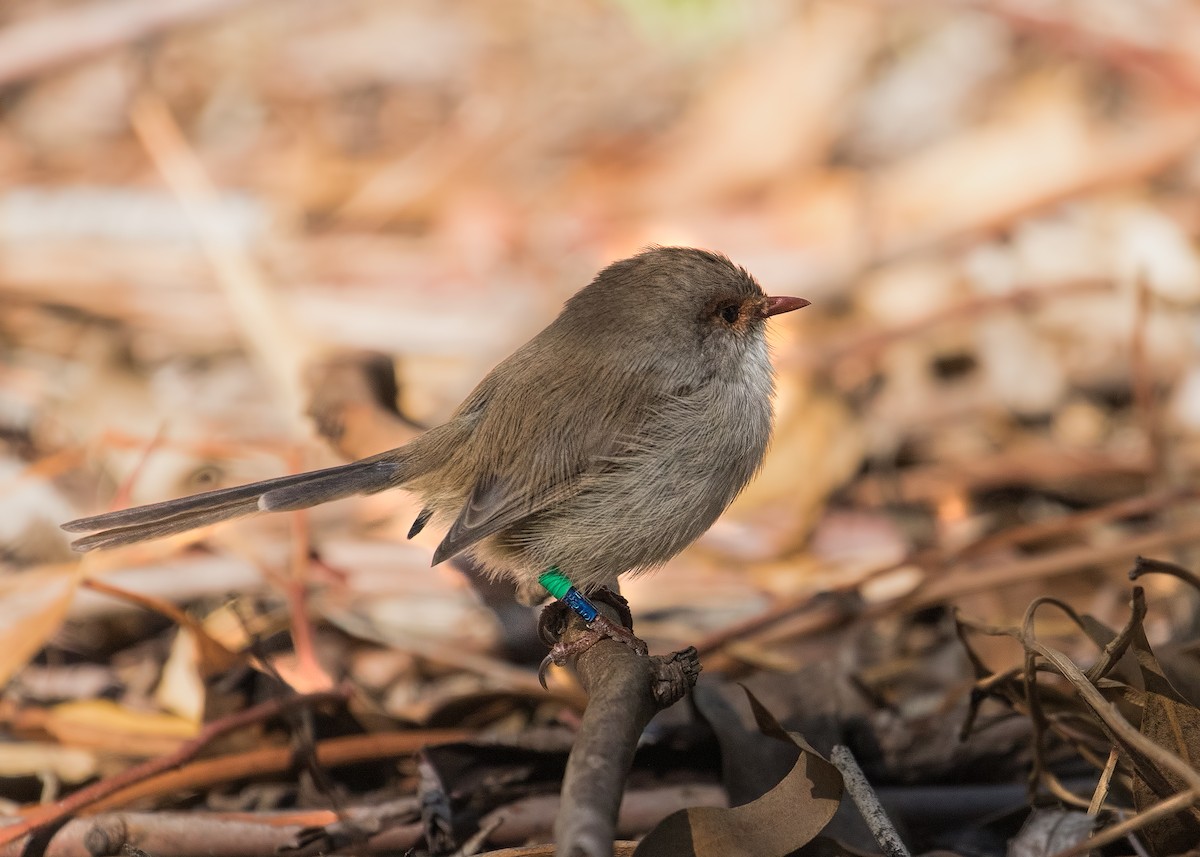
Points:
(605, 445)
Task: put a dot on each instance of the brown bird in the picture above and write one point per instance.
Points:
(606, 444)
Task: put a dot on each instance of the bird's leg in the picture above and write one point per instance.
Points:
(553, 621)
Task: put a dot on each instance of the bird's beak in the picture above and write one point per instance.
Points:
(782, 304)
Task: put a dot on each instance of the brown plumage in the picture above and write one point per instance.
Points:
(606, 444)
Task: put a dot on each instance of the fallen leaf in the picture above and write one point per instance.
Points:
(103, 724)
(181, 689)
(1171, 722)
(780, 821)
(1048, 831)
(32, 607)
(35, 758)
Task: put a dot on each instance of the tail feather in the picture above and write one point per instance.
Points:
(118, 536)
(324, 489)
(281, 494)
(199, 502)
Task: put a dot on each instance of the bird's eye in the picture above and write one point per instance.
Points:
(730, 313)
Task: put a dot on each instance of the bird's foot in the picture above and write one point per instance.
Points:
(620, 603)
(552, 624)
(601, 628)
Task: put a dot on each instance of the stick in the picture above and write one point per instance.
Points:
(85, 797)
(270, 337)
(867, 802)
(624, 691)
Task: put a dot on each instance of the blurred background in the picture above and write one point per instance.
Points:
(991, 204)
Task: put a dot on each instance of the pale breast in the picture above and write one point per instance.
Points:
(687, 463)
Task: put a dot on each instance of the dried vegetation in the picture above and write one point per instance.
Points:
(210, 207)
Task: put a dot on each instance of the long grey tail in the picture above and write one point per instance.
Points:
(284, 494)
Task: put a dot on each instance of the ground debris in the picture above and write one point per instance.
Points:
(225, 224)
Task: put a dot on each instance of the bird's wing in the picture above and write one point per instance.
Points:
(494, 505)
(537, 445)
(503, 496)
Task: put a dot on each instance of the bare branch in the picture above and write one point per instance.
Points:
(624, 691)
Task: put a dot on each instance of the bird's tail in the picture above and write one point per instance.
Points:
(286, 493)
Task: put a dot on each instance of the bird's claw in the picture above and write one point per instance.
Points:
(600, 628)
(605, 627)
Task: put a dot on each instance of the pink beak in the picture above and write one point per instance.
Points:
(782, 304)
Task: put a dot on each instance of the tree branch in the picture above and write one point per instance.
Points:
(625, 690)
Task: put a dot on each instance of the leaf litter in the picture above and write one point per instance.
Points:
(987, 414)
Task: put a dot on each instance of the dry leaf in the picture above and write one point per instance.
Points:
(181, 689)
(1048, 831)
(33, 758)
(104, 724)
(782, 820)
(32, 607)
(1171, 722)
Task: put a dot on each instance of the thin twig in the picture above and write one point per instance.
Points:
(1145, 565)
(1131, 837)
(826, 612)
(96, 792)
(239, 834)
(261, 316)
(308, 675)
(1101, 792)
(980, 578)
(120, 498)
(215, 656)
(1066, 34)
(330, 753)
(1119, 731)
(945, 588)
(867, 802)
(1163, 809)
(1062, 525)
(183, 834)
(1040, 463)
(1123, 159)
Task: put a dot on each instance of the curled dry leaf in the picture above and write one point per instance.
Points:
(1173, 723)
(780, 821)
